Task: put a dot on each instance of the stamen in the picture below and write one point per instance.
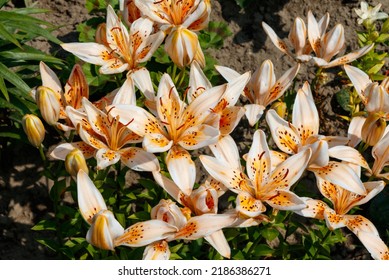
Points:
(286, 174)
(129, 122)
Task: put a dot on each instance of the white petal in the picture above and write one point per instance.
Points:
(354, 132)
(305, 115)
(348, 154)
(90, 200)
(219, 242)
(144, 233)
(139, 160)
(204, 225)
(359, 78)
(226, 150)
(49, 78)
(126, 93)
(106, 157)
(253, 113)
(93, 53)
(157, 251)
(374, 244)
(181, 168)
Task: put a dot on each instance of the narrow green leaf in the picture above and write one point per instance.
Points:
(35, 29)
(8, 36)
(45, 225)
(12, 17)
(20, 55)
(13, 78)
(3, 89)
(11, 135)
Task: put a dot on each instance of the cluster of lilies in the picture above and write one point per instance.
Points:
(175, 123)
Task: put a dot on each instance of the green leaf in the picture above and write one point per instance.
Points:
(382, 38)
(343, 98)
(19, 55)
(11, 135)
(270, 234)
(13, 78)
(49, 243)
(45, 225)
(3, 89)
(36, 30)
(263, 250)
(8, 36)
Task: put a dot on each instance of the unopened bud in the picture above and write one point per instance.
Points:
(280, 108)
(34, 129)
(48, 102)
(75, 161)
(373, 129)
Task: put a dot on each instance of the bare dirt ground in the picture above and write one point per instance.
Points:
(24, 192)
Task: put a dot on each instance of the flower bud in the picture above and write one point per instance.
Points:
(48, 102)
(75, 161)
(280, 108)
(373, 129)
(34, 129)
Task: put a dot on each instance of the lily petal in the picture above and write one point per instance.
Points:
(181, 168)
(357, 223)
(106, 157)
(139, 160)
(314, 208)
(204, 225)
(280, 44)
(219, 242)
(90, 200)
(126, 93)
(334, 220)
(61, 151)
(249, 205)
(354, 132)
(350, 57)
(374, 244)
(198, 82)
(286, 201)
(144, 233)
(359, 78)
(157, 251)
(258, 159)
(305, 116)
(199, 136)
(283, 135)
(226, 150)
(342, 175)
(234, 179)
(169, 186)
(253, 113)
(93, 53)
(349, 154)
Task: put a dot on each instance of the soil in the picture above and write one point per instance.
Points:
(24, 191)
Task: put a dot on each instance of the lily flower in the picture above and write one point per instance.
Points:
(375, 97)
(109, 138)
(342, 202)
(180, 20)
(105, 231)
(262, 184)
(226, 111)
(123, 50)
(177, 126)
(189, 228)
(303, 133)
(297, 38)
(369, 14)
(328, 45)
(263, 88)
(52, 99)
